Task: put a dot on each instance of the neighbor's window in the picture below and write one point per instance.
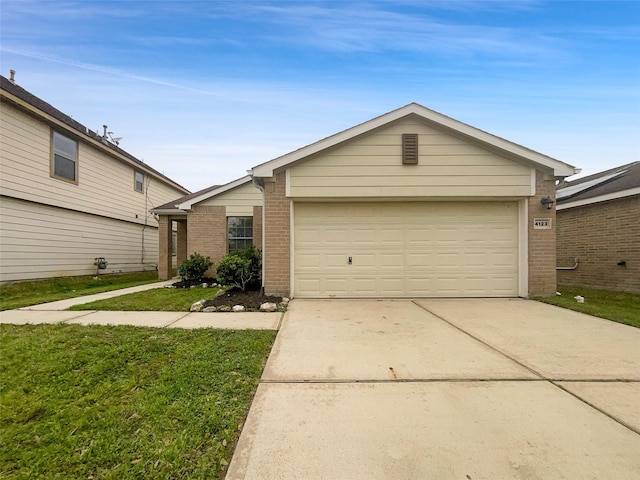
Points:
(174, 243)
(138, 181)
(65, 158)
(240, 232)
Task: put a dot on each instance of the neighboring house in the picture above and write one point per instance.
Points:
(409, 204)
(598, 224)
(69, 195)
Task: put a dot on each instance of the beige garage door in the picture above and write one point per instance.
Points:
(406, 249)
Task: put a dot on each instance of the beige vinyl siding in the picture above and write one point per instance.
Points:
(371, 166)
(239, 202)
(37, 241)
(105, 185)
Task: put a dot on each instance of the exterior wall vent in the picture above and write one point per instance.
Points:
(409, 148)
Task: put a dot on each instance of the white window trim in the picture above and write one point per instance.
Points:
(62, 154)
(135, 181)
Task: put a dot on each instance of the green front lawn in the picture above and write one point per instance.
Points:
(157, 299)
(23, 294)
(124, 402)
(617, 306)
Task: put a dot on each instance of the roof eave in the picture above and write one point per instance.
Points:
(560, 169)
(187, 205)
(600, 198)
(168, 211)
(85, 137)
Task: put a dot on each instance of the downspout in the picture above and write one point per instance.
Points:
(146, 215)
(260, 186)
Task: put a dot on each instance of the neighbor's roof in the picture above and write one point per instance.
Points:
(17, 92)
(617, 182)
(487, 140)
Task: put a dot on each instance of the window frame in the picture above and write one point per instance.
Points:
(135, 181)
(64, 155)
(236, 237)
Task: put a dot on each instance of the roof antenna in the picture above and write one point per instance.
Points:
(108, 136)
(12, 79)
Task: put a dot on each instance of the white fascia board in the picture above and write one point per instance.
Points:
(572, 190)
(266, 170)
(602, 198)
(559, 168)
(205, 196)
(168, 211)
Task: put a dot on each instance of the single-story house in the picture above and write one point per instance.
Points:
(598, 225)
(409, 204)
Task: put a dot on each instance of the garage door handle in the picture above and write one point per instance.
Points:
(350, 261)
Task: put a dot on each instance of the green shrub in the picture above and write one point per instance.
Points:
(195, 266)
(241, 269)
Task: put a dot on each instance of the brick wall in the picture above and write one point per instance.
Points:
(207, 232)
(542, 243)
(276, 256)
(164, 251)
(601, 235)
(181, 247)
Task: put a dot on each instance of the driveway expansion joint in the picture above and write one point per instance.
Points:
(595, 407)
(552, 381)
(479, 340)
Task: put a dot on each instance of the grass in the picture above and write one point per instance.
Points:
(124, 402)
(616, 306)
(157, 299)
(22, 294)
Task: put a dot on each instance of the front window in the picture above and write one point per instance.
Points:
(65, 158)
(240, 232)
(139, 181)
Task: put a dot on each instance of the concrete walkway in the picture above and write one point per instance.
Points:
(444, 389)
(55, 312)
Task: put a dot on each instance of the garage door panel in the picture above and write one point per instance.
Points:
(334, 236)
(309, 261)
(391, 260)
(416, 249)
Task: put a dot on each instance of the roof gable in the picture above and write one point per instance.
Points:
(433, 118)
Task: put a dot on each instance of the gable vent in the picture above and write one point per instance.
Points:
(409, 148)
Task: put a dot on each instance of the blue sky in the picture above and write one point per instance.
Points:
(204, 90)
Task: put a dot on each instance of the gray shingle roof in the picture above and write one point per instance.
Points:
(610, 181)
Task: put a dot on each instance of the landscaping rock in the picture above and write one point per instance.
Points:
(205, 285)
(268, 307)
(224, 308)
(238, 308)
(209, 309)
(285, 301)
(197, 306)
(220, 293)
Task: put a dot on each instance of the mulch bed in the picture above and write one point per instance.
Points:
(189, 283)
(250, 299)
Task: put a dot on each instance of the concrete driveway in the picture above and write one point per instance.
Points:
(444, 389)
